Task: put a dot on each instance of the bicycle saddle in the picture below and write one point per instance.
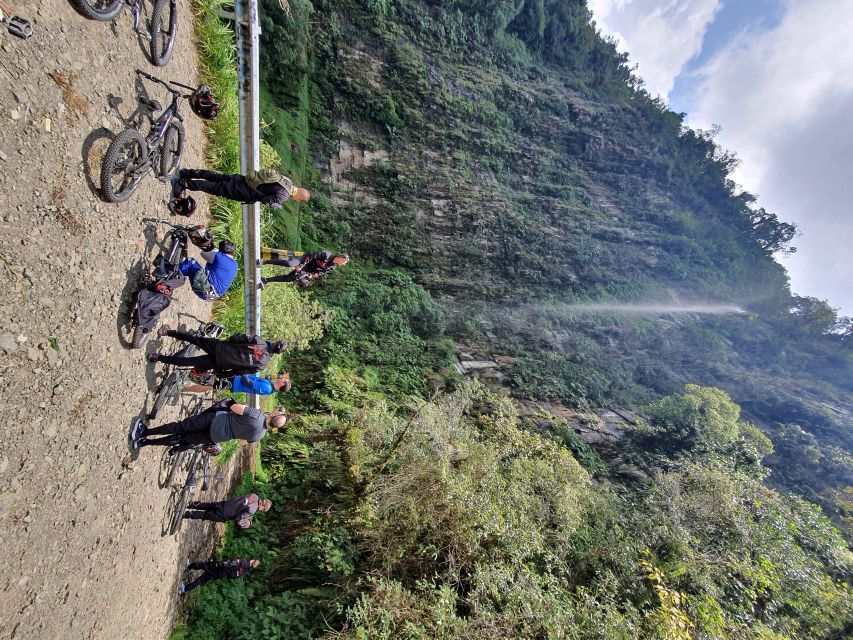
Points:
(153, 105)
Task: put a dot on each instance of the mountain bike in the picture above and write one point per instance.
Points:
(177, 376)
(155, 296)
(197, 464)
(162, 24)
(131, 155)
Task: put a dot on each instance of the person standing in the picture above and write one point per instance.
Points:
(256, 385)
(237, 355)
(217, 570)
(225, 420)
(266, 186)
(306, 267)
(240, 510)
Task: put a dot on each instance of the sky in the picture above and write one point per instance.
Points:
(777, 77)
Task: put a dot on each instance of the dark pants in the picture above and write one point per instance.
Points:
(202, 579)
(199, 362)
(192, 430)
(227, 185)
(284, 262)
(206, 511)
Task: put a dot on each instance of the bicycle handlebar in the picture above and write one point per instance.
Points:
(168, 85)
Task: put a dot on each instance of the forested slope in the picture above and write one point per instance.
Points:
(503, 155)
(507, 189)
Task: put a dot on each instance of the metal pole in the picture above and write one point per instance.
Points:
(248, 32)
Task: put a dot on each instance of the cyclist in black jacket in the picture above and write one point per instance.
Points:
(240, 510)
(306, 267)
(265, 186)
(235, 356)
(216, 570)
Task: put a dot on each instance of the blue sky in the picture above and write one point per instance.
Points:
(777, 77)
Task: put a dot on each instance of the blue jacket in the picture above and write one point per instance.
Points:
(221, 272)
(252, 384)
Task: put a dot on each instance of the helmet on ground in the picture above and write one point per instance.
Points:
(226, 246)
(182, 206)
(201, 237)
(203, 104)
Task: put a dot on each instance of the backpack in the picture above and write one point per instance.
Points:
(265, 176)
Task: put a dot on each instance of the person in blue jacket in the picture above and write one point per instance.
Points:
(212, 280)
(260, 386)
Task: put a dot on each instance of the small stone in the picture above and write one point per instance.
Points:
(16, 114)
(3, 156)
(8, 342)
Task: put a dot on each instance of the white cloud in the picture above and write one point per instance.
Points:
(784, 99)
(660, 35)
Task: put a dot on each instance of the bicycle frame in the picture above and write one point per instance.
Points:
(161, 123)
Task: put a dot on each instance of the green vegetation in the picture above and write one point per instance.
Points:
(495, 165)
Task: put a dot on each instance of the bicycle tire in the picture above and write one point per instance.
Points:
(115, 156)
(103, 11)
(163, 394)
(205, 471)
(140, 337)
(172, 149)
(180, 509)
(176, 464)
(163, 40)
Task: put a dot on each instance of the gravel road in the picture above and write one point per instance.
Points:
(83, 554)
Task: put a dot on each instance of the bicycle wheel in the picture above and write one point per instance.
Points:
(169, 465)
(165, 392)
(171, 149)
(205, 471)
(180, 509)
(119, 177)
(103, 10)
(164, 26)
(140, 337)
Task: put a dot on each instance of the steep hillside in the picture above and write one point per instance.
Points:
(503, 155)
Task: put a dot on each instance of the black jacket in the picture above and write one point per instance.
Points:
(240, 509)
(236, 568)
(246, 354)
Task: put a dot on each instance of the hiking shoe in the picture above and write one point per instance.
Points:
(137, 433)
(163, 330)
(262, 285)
(177, 186)
(182, 588)
(153, 357)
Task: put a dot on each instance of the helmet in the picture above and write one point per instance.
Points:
(213, 449)
(226, 246)
(182, 206)
(203, 104)
(201, 237)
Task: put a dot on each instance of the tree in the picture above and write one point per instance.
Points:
(813, 316)
(772, 234)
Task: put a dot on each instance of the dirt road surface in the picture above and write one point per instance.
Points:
(83, 555)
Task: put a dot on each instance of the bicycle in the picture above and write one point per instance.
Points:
(197, 464)
(164, 14)
(177, 377)
(156, 292)
(131, 155)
